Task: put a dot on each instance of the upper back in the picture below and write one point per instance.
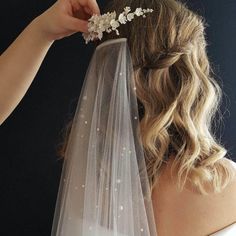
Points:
(190, 213)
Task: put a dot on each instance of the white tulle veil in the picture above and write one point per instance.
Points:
(104, 189)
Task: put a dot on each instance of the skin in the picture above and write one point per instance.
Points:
(22, 59)
(177, 214)
(188, 212)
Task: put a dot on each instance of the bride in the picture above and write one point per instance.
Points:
(142, 157)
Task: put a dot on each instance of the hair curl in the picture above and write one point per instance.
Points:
(177, 93)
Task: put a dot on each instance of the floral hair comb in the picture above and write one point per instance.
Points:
(98, 24)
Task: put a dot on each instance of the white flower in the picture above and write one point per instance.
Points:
(122, 18)
(130, 16)
(149, 10)
(113, 15)
(98, 24)
(100, 34)
(102, 27)
(91, 28)
(114, 24)
(138, 11)
(127, 10)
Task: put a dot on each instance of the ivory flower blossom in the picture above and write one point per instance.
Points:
(108, 22)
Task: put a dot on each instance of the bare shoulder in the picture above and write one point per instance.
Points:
(186, 212)
(231, 162)
(231, 187)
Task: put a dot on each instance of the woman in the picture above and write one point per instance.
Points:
(192, 181)
(64, 18)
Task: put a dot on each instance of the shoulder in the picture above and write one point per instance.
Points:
(230, 189)
(188, 210)
(231, 162)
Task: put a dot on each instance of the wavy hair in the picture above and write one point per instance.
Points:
(177, 93)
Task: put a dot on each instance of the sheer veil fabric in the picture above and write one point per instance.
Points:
(104, 189)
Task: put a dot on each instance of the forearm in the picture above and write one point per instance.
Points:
(19, 65)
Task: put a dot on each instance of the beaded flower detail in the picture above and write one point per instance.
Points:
(98, 24)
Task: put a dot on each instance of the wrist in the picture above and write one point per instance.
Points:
(39, 27)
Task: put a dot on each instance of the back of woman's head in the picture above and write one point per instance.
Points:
(176, 91)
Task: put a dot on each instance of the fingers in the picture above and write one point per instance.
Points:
(76, 24)
(93, 6)
(88, 11)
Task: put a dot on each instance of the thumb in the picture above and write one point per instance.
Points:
(93, 6)
(78, 24)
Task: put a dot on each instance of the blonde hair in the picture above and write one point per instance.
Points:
(180, 97)
(176, 88)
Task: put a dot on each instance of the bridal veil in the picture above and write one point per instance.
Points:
(104, 189)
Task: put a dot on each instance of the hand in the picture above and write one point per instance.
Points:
(66, 17)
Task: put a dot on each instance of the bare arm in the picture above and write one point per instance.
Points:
(21, 61)
(19, 65)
